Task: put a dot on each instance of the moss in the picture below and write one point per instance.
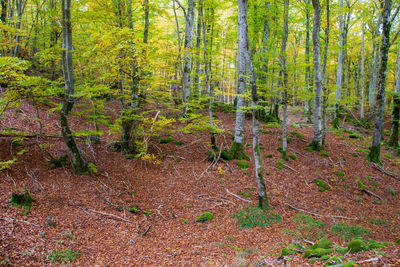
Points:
(129, 156)
(237, 151)
(290, 249)
(293, 157)
(242, 164)
(374, 154)
(206, 216)
(341, 250)
(324, 243)
(269, 155)
(59, 162)
(226, 155)
(350, 264)
(355, 136)
(356, 245)
(315, 146)
(360, 184)
(321, 185)
(309, 149)
(397, 241)
(317, 253)
(166, 140)
(178, 143)
(23, 200)
(280, 165)
(324, 154)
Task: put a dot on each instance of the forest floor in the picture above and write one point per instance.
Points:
(88, 214)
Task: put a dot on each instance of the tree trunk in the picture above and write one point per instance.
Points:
(394, 135)
(284, 76)
(198, 44)
(78, 164)
(339, 74)
(187, 58)
(317, 140)
(262, 193)
(146, 22)
(375, 149)
(237, 149)
(372, 83)
(324, 88)
(308, 68)
(362, 73)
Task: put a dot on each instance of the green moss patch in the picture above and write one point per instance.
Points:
(322, 187)
(166, 140)
(254, 216)
(242, 164)
(205, 216)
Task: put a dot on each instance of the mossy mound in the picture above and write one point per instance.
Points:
(205, 216)
(59, 162)
(242, 165)
(22, 200)
(356, 245)
(290, 249)
(226, 155)
(317, 252)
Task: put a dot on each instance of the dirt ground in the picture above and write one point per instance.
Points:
(87, 214)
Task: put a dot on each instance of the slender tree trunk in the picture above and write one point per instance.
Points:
(78, 164)
(394, 135)
(375, 149)
(262, 192)
(20, 10)
(198, 44)
(284, 76)
(146, 22)
(324, 87)
(308, 68)
(187, 58)
(372, 83)
(362, 72)
(339, 76)
(317, 140)
(237, 149)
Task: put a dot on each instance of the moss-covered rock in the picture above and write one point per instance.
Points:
(324, 243)
(226, 155)
(290, 249)
(356, 245)
(317, 253)
(205, 216)
(349, 264)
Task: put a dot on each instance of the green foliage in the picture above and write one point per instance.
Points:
(324, 154)
(322, 187)
(298, 135)
(307, 222)
(22, 200)
(379, 221)
(226, 155)
(292, 156)
(242, 164)
(245, 194)
(178, 143)
(391, 191)
(68, 255)
(205, 216)
(360, 184)
(58, 162)
(251, 217)
(166, 140)
(269, 155)
(92, 167)
(280, 165)
(349, 232)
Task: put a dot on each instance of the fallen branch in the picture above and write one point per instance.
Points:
(290, 168)
(381, 169)
(319, 215)
(371, 193)
(245, 200)
(105, 214)
(146, 231)
(16, 220)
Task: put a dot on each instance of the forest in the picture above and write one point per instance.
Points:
(199, 132)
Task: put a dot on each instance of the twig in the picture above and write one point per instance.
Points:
(147, 230)
(105, 214)
(290, 168)
(371, 193)
(245, 200)
(381, 169)
(16, 220)
(229, 166)
(319, 215)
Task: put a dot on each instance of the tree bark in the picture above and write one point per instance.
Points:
(237, 149)
(317, 140)
(78, 164)
(187, 58)
(362, 72)
(339, 74)
(308, 68)
(262, 193)
(324, 88)
(375, 149)
(394, 135)
(3, 16)
(284, 75)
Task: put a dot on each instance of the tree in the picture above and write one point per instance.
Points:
(394, 135)
(339, 75)
(244, 55)
(375, 149)
(317, 140)
(323, 82)
(188, 46)
(78, 164)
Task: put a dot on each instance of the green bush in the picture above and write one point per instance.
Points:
(254, 216)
